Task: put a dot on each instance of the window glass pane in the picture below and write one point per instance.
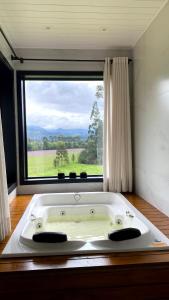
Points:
(64, 124)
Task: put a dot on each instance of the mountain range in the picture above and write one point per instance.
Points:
(37, 132)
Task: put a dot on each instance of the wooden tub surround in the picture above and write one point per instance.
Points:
(137, 275)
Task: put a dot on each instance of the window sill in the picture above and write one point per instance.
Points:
(54, 180)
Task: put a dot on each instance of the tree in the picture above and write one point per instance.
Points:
(94, 147)
(93, 134)
(45, 143)
(83, 157)
(99, 91)
(73, 157)
(61, 158)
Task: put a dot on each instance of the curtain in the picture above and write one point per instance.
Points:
(117, 157)
(5, 225)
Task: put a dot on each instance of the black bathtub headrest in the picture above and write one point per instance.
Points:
(124, 234)
(49, 237)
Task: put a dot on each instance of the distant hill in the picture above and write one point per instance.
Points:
(37, 133)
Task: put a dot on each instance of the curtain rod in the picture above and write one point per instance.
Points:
(22, 59)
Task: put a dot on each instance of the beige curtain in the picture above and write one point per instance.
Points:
(117, 160)
(5, 225)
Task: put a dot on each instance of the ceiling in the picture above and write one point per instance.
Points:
(77, 24)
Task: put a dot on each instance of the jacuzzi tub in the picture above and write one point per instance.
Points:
(87, 219)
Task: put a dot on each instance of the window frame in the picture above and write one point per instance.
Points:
(21, 76)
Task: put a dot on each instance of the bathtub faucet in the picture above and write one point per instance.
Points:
(77, 197)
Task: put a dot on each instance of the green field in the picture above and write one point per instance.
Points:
(40, 164)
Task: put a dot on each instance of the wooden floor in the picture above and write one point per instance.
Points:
(145, 274)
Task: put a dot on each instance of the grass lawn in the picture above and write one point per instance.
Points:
(40, 164)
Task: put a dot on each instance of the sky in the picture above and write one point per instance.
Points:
(60, 104)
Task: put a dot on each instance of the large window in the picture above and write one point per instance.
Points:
(61, 124)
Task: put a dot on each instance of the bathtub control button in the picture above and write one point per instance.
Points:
(32, 217)
(129, 214)
(77, 197)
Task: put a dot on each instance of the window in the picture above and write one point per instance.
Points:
(60, 125)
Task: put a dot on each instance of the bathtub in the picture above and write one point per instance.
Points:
(87, 220)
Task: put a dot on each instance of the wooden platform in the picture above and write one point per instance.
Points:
(139, 275)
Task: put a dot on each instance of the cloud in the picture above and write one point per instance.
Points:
(65, 104)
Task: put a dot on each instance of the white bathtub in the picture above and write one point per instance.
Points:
(86, 219)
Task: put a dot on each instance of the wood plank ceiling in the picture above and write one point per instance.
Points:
(77, 24)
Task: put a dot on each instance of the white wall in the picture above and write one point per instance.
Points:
(151, 113)
(4, 48)
(59, 66)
